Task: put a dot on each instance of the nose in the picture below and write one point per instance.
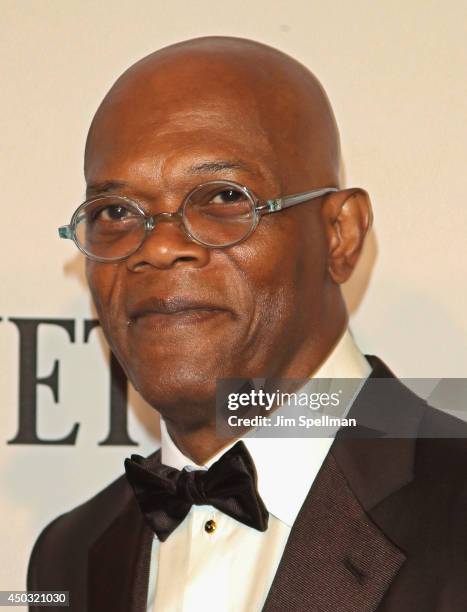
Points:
(168, 246)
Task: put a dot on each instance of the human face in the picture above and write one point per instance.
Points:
(178, 315)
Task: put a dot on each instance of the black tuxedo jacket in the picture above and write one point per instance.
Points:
(383, 528)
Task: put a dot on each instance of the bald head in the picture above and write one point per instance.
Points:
(244, 88)
(204, 111)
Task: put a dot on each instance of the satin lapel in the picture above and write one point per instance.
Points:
(335, 558)
(119, 565)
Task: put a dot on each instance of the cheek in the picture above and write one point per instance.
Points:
(104, 283)
(284, 265)
(285, 259)
(99, 284)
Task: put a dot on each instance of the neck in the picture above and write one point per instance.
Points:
(200, 444)
(203, 442)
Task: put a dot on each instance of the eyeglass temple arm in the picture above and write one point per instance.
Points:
(65, 231)
(287, 201)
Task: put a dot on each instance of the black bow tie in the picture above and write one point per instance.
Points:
(165, 494)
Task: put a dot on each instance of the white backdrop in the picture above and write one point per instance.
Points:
(395, 73)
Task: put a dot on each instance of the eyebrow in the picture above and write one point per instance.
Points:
(217, 166)
(105, 187)
(208, 167)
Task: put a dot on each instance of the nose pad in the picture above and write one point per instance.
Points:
(162, 217)
(173, 218)
(165, 247)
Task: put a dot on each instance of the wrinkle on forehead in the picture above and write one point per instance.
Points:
(215, 116)
(226, 85)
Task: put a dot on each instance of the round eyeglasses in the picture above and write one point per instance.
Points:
(216, 214)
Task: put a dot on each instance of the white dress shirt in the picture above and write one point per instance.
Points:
(232, 568)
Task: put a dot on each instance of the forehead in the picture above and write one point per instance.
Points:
(168, 134)
(178, 108)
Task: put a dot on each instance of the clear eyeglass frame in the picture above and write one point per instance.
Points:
(258, 209)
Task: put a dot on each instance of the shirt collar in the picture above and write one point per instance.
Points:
(286, 467)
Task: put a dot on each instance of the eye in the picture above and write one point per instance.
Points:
(112, 212)
(228, 196)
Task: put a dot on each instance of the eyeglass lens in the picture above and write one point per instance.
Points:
(110, 228)
(218, 215)
(214, 214)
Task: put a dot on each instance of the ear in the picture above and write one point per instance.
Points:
(347, 217)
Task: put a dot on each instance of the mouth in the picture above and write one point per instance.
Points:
(174, 310)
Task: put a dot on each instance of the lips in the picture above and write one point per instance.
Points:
(174, 305)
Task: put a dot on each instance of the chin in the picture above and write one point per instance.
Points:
(177, 391)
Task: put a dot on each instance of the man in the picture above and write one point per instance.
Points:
(195, 284)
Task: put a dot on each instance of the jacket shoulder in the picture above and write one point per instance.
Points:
(59, 555)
